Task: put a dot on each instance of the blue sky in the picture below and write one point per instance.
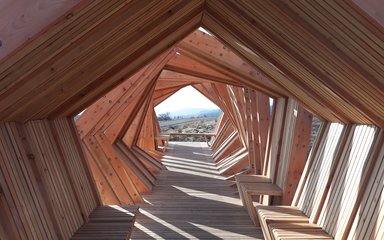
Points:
(187, 97)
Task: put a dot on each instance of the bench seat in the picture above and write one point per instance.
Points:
(268, 215)
(251, 185)
(251, 178)
(164, 139)
(271, 214)
(282, 231)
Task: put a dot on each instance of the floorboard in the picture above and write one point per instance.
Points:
(191, 200)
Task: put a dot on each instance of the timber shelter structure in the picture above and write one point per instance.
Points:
(82, 155)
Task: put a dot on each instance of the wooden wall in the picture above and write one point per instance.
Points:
(323, 56)
(46, 189)
(21, 20)
(341, 188)
(118, 131)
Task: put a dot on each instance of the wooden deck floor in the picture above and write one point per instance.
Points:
(192, 201)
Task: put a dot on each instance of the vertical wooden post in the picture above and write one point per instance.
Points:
(298, 154)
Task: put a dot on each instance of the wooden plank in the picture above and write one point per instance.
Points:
(234, 163)
(136, 165)
(286, 141)
(298, 231)
(298, 154)
(8, 229)
(285, 51)
(31, 205)
(55, 178)
(311, 158)
(122, 63)
(18, 230)
(252, 178)
(251, 189)
(108, 222)
(278, 120)
(354, 160)
(293, 85)
(271, 215)
(190, 67)
(264, 123)
(16, 29)
(209, 51)
(125, 177)
(95, 115)
(76, 166)
(326, 166)
(369, 192)
(104, 190)
(107, 170)
(184, 194)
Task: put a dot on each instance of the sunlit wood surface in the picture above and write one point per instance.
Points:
(191, 200)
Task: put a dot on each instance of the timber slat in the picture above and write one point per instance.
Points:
(189, 203)
(270, 66)
(108, 222)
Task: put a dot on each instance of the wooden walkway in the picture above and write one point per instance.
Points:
(192, 201)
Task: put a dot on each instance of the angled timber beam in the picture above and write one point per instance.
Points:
(49, 77)
(123, 169)
(160, 96)
(170, 75)
(103, 113)
(242, 43)
(302, 61)
(183, 64)
(345, 50)
(206, 90)
(132, 97)
(211, 52)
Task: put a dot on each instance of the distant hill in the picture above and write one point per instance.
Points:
(195, 112)
(209, 113)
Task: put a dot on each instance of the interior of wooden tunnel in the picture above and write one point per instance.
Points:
(123, 124)
(78, 128)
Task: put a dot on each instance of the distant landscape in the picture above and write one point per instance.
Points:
(192, 120)
(193, 112)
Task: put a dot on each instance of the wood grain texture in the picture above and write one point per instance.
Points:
(191, 200)
(20, 21)
(118, 59)
(288, 42)
(46, 191)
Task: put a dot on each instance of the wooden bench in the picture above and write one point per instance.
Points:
(269, 215)
(251, 185)
(282, 231)
(286, 222)
(108, 222)
(251, 189)
(249, 178)
(315, 216)
(164, 139)
(320, 165)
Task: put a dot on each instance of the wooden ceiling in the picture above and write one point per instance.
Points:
(329, 55)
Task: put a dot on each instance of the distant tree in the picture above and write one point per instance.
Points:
(164, 116)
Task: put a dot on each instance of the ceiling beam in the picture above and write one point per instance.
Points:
(209, 51)
(105, 45)
(301, 57)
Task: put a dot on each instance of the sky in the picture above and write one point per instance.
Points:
(187, 97)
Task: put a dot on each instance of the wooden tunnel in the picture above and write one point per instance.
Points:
(79, 81)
